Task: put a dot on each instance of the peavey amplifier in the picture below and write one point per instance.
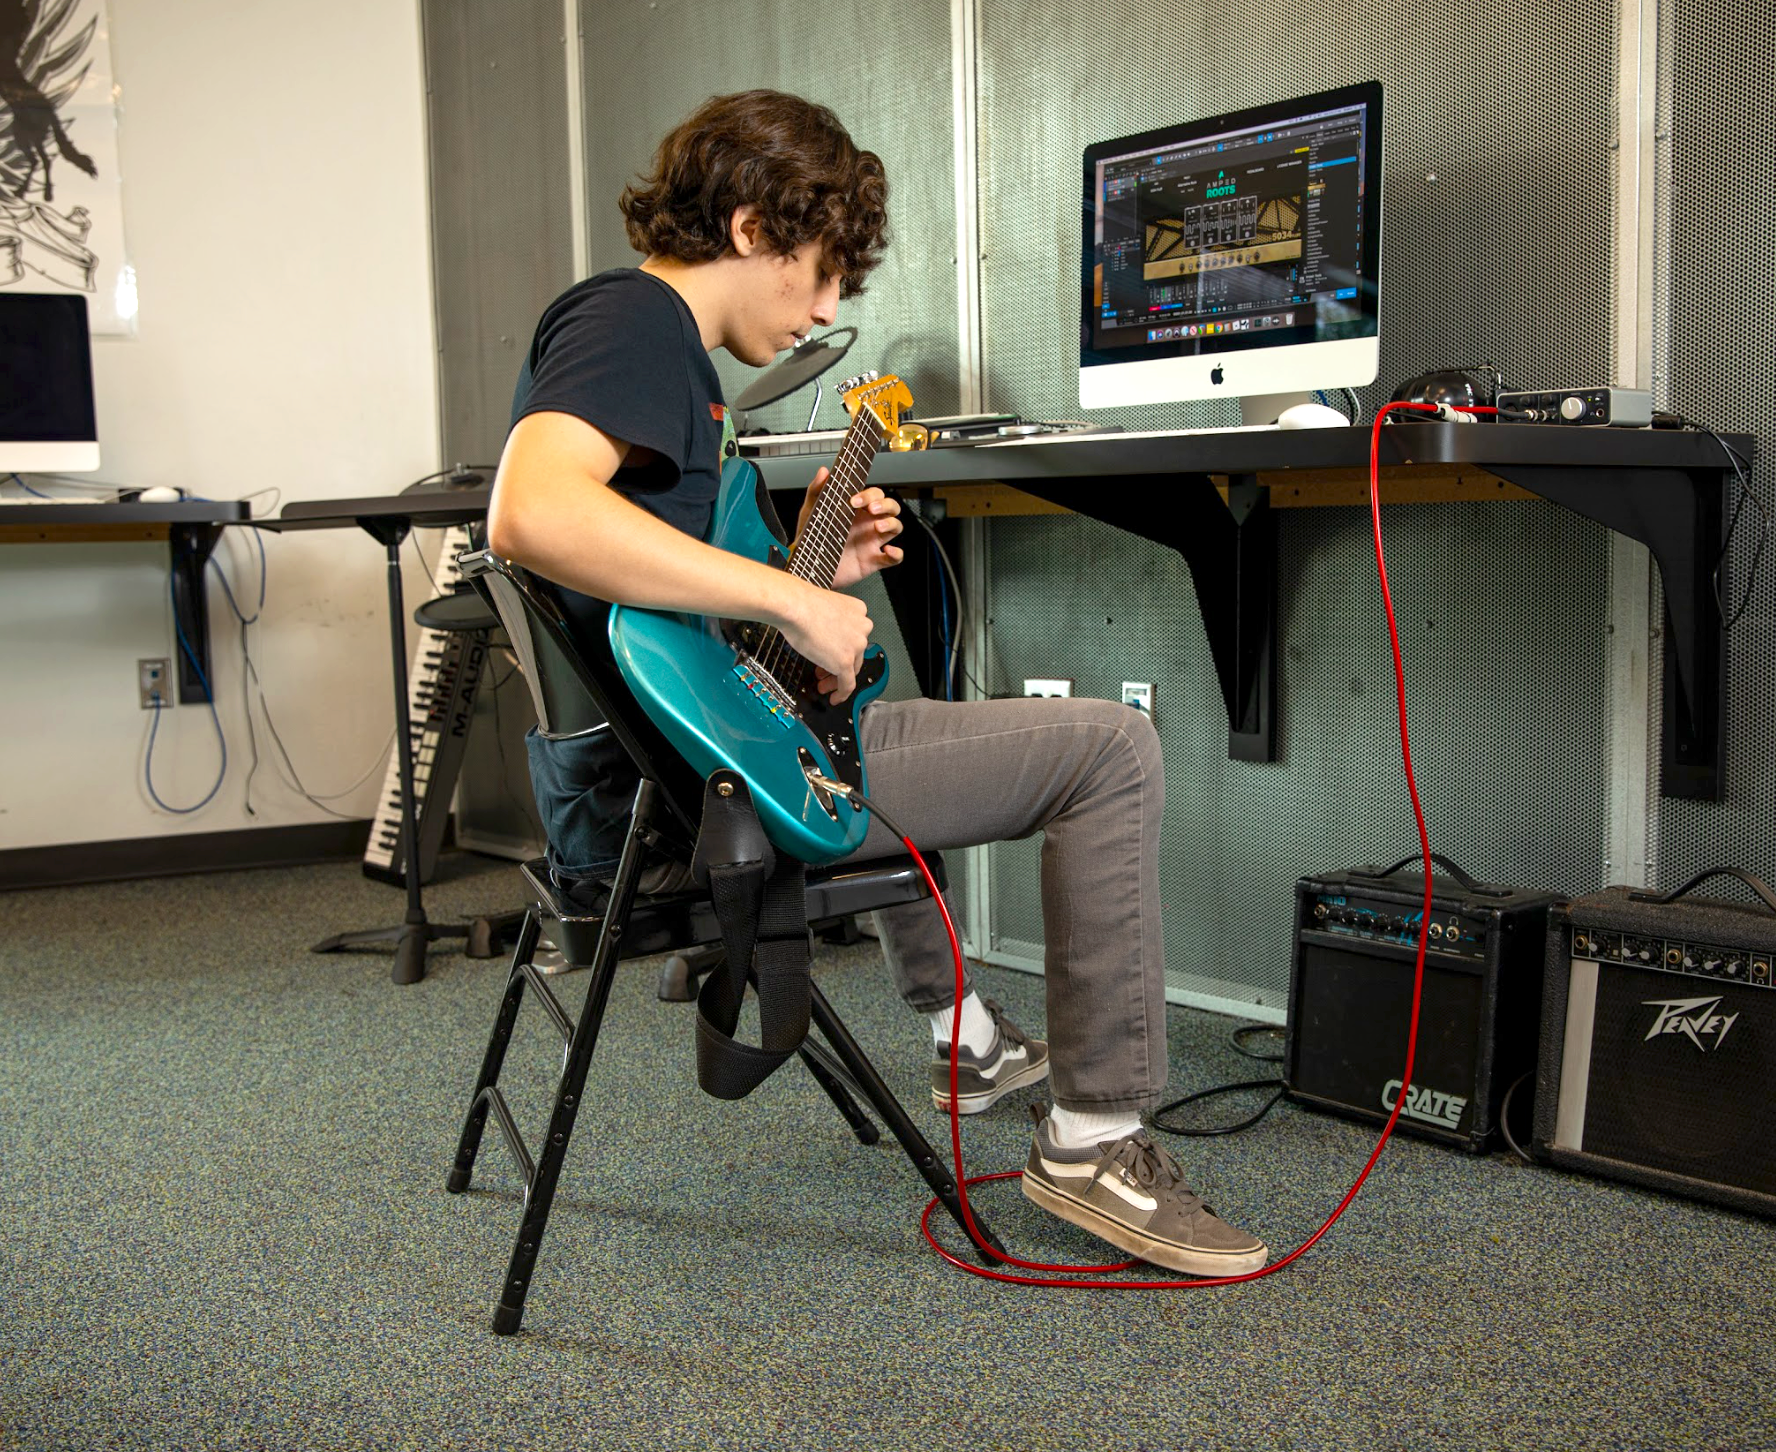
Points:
(1350, 997)
(1658, 1054)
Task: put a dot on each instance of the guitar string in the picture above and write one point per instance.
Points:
(786, 665)
(824, 539)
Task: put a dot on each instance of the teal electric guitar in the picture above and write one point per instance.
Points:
(732, 693)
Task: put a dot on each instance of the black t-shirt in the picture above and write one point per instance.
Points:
(621, 351)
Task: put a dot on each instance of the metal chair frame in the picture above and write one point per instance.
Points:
(573, 694)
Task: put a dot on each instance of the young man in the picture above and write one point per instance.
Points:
(758, 216)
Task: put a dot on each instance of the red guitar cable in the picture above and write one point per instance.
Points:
(1092, 1276)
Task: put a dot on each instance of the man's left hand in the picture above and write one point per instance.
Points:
(875, 521)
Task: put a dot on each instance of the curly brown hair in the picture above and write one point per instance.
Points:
(788, 157)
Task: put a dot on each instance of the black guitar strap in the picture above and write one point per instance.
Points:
(760, 901)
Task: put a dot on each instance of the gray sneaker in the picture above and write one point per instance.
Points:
(1132, 1194)
(1011, 1061)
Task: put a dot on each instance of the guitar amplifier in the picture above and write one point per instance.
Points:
(1350, 998)
(1658, 1052)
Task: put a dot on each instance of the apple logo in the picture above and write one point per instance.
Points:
(1215, 374)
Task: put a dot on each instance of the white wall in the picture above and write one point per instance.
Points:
(274, 186)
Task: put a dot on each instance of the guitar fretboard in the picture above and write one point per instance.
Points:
(822, 543)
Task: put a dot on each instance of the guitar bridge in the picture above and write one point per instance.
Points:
(762, 684)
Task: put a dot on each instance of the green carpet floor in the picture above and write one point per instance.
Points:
(223, 1224)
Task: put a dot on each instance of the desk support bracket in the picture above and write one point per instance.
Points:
(1676, 514)
(1231, 548)
(191, 546)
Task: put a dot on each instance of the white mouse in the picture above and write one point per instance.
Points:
(159, 494)
(1312, 416)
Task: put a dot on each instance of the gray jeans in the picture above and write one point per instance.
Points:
(1087, 774)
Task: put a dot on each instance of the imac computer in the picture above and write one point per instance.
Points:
(47, 421)
(1235, 257)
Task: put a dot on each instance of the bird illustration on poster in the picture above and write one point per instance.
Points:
(61, 195)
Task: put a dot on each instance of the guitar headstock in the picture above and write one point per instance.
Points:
(884, 395)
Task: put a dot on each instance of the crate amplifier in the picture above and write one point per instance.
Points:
(1658, 1052)
(1350, 997)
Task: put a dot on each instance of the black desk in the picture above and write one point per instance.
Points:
(191, 529)
(1212, 497)
(388, 519)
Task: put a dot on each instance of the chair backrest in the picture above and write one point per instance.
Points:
(576, 687)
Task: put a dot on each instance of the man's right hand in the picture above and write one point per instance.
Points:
(832, 631)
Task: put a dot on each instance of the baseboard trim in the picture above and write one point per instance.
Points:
(77, 862)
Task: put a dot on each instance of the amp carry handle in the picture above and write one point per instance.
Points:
(1478, 888)
(1755, 883)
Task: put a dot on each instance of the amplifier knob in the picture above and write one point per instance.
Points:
(1572, 409)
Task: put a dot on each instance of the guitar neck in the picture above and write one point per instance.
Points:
(822, 542)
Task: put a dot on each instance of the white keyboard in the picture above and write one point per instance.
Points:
(441, 685)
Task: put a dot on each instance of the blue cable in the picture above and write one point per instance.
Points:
(34, 493)
(154, 729)
(943, 597)
(227, 590)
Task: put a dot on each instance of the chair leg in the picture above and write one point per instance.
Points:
(830, 1077)
(679, 975)
(934, 1170)
(476, 1121)
(487, 935)
(582, 1040)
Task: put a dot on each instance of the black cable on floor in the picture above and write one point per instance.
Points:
(1239, 1037)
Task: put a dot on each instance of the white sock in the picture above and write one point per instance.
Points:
(977, 1025)
(1071, 1129)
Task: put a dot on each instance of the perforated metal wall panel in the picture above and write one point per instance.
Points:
(1719, 212)
(885, 72)
(502, 243)
(1496, 135)
(1506, 699)
(1496, 247)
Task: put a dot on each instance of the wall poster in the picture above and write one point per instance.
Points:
(61, 195)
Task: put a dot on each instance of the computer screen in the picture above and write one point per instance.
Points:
(1234, 256)
(47, 421)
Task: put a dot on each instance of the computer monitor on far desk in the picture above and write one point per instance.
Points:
(47, 421)
(1235, 257)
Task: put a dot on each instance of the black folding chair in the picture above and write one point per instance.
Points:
(577, 693)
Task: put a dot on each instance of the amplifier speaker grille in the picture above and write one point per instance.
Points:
(1658, 1053)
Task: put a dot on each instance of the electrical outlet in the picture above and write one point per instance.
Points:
(1047, 686)
(1139, 694)
(151, 681)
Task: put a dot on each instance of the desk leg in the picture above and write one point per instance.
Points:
(411, 938)
(1231, 548)
(918, 596)
(410, 950)
(1236, 591)
(191, 546)
(1677, 516)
